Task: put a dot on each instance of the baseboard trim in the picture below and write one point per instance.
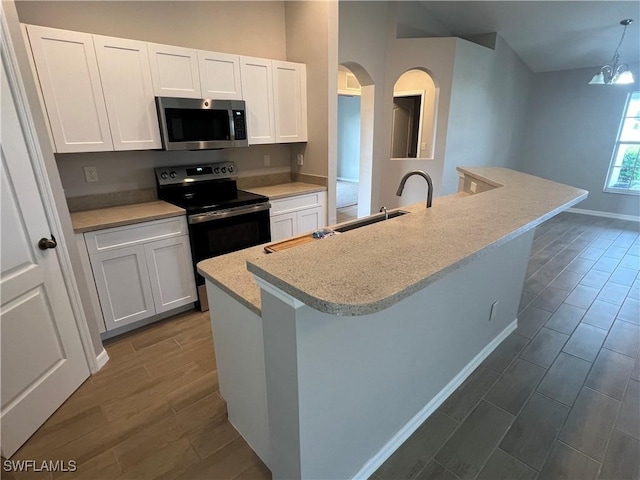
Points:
(596, 213)
(101, 360)
(147, 321)
(412, 425)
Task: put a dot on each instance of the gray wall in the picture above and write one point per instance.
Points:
(348, 137)
(488, 109)
(570, 135)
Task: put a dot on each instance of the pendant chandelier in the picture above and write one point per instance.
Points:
(615, 73)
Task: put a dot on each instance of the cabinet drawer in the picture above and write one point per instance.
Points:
(292, 204)
(119, 237)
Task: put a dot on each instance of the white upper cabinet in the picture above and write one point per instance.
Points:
(257, 90)
(99, 92)
(220, 75)
(71, 88)
(290, 101)
(128, 93)
(174, 71)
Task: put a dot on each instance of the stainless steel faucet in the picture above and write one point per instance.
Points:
(386, 213)
(423, 175)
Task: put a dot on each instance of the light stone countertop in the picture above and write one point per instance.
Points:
(369, 269)
(284, 190)
(98, 219)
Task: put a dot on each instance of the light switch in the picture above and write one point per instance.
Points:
(473, 187)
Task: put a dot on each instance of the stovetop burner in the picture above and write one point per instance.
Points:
(203, 188)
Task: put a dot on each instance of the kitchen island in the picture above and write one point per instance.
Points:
(353, 341)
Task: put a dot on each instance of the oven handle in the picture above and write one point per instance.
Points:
(231, 212)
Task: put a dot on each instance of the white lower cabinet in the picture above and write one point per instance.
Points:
(310, 219)
(170, 269)
(141, 270)
(123, 285)
(297, 215)
(283, 226)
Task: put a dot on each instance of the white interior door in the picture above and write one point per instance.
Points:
(41, 353)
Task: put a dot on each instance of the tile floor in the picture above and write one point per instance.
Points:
(560, 397)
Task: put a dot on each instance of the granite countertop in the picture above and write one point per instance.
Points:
(98, 219)
(284, 190)
(368, 269)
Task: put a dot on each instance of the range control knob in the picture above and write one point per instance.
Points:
(173, 174)
(230, 168)
(224, 169)
(164, 175)
(216, 170)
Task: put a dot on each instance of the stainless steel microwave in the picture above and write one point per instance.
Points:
(201, 124)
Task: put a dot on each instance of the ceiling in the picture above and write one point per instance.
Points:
(549, 35)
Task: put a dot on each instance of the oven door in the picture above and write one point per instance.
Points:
(216, 233)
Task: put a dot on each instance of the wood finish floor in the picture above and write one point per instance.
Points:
(153, 411)
(346, 214)
(559, 398)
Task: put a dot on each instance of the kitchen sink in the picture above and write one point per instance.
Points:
(370, 220)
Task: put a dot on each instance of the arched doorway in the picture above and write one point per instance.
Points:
(356, 95)
(415, 101)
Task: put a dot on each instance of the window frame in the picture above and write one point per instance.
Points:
(616, 149)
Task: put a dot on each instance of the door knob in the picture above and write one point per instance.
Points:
(46, 243)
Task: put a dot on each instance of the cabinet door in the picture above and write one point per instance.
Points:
(171, 273)
(128, 93)
(283, 226)
(309, 220)
(71, 89)
(220, 75)
(174, 71)
(122, 281)
(257, 90)
(290, 101)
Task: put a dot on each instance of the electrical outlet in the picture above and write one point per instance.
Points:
(300, 159)
(473, 187)
(267, 160)
(424, 146)
(90, 174)
(494, 310)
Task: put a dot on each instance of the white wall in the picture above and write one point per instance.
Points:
(489, 103)
(363, 36)
(483, 95)
(571, 132)
(349, 137)
(435, 55)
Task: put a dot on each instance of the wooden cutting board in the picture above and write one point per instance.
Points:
(290, 243)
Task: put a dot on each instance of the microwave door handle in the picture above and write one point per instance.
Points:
(232, 212)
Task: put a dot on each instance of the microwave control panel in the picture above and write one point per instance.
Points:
(239, 125)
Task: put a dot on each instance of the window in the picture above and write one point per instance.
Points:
(624, 171)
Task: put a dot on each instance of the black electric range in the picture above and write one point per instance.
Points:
(222, 219)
